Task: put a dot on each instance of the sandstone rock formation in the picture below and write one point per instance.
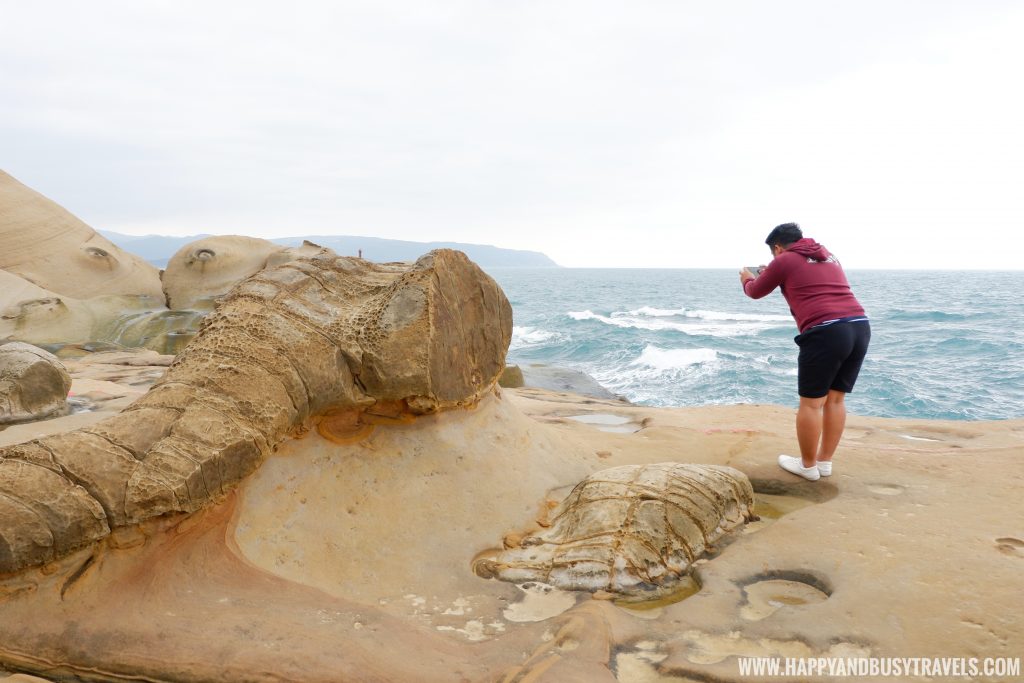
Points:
(512, 377)
(211, 266)
(49, 247)
(33, 384)
(631, 528)
(337, 341)
(35, 315)
(203, 271)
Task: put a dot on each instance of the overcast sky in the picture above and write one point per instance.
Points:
(641, 134)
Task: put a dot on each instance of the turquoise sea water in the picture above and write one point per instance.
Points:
(945, 344)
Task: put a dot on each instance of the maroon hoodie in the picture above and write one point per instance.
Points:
(812, 281)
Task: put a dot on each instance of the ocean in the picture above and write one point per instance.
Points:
(945, 345)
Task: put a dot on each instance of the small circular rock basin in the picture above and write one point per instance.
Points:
(606, 422)
(766, 597)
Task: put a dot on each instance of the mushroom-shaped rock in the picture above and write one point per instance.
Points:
(33, 384)
(207, 268)
(630, 529)
(48, 246)
(322, 338)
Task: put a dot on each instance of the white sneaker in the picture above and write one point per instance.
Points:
(825, 468)
(796, 466)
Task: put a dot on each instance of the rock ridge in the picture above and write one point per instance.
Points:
(338, 342)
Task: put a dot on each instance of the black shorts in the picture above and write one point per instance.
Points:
(831, 356)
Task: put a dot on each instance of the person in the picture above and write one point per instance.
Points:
(833, 340)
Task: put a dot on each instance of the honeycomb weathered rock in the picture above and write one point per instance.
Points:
(321, 335)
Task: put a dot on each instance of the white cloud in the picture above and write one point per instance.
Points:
(647, 134)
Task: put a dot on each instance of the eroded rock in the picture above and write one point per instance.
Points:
(630, 529)
(34, 384)
(35, 315)
(512, 377)
(210, 267)
(202, 272)
(49, 247)
(320, 337)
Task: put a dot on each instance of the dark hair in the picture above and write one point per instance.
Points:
(784, 234)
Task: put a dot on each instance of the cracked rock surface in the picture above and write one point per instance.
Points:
(319, 336)
(630, 529)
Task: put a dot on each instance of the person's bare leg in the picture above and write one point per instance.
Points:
(833, 424)
(808, 428)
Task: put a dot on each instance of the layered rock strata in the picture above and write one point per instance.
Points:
(49, 247)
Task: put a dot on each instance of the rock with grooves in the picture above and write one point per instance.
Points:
(630, 529)
(327, 339)
(33, 384)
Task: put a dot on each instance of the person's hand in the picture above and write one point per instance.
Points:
(745, 275)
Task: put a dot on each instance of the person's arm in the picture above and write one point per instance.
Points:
(771, 277)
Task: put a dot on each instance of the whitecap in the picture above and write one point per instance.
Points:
(726, 328)
(532, 336)
(582, 315)
(654, 312)
(665, 360)
(742, 317)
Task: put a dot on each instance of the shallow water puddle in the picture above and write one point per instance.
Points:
(607, 422)
(764, 598)
(770, 506)
(652, 607)
(81, 404)
(773, 505)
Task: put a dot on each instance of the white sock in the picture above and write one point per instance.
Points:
(796, 466)
(825, 468)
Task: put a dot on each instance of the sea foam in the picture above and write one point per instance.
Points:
(673, 359)
(650, 311)
(702, 325)
(523, 336)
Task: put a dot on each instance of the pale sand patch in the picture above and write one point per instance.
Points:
(21, 678)
(539, 602)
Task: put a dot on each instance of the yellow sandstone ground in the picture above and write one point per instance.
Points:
(353, 561)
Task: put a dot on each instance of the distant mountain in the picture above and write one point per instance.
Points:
(158, 249)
